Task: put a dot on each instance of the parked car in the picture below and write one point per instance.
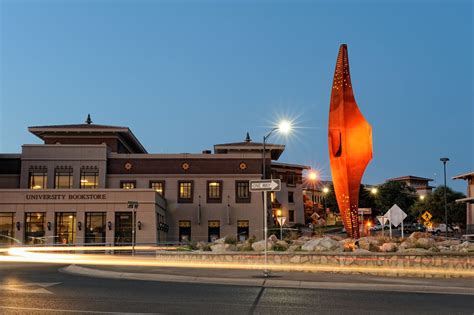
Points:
(377, 227)
(414, 227)
(440, 228)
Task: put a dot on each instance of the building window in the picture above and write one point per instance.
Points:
(7, 227)
(38, 180)
(291, 197)
(128, 184)
(214, 191)
(65, 227)
(291, 179)
(89, 180)
(95, 228)
(158, 186)
(63, 180)
(213, 231)
(34, 227)
(185, 191)
(291, 215)
(242, 230)
(242, 192)
(184, 231)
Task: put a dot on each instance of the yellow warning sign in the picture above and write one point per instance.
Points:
(426, 216)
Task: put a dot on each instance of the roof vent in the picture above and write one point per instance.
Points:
(88, 119)
(247, 138)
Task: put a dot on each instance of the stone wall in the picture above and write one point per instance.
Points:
(443, 265)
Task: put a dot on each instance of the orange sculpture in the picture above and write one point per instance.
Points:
(350, 144)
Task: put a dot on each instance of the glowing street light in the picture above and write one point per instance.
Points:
(313, 176)
(422, 197)
(325, 190)
(374, 190)
(284, 127)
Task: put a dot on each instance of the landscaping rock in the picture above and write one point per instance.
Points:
(260, 246)
(282, 244)
(294, 248)
(361, 251)
(465, 247)
(448, 243)
(220, 241)
(389, 247)
(424, 242)
(201, 245)
(272, 238)
(417, 235)
(408, 243)
(221, 248)
(369, 243)
(321, 245)
(414, 250)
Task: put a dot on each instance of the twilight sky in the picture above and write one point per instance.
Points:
(185, 75)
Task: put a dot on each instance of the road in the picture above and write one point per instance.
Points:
(42, 289)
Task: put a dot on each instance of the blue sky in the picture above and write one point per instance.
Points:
(186, 75)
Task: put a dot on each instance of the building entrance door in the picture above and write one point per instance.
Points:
(123, 228)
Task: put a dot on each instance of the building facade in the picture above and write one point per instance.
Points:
(469, 200)
(420, 184)
(76, 188)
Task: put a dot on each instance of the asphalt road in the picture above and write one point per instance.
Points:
(42, 289)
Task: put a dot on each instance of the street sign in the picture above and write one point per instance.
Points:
(395, 215)
(426, 216)
(281, 220)
(265, 185)
(382, 219)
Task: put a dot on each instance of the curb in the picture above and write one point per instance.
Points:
(265, 283)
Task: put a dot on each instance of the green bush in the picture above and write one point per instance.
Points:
(230, 240)
(279, 248)
(252, 239)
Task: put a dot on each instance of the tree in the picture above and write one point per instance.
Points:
(366, 199)
(391, 193)
(434, 203)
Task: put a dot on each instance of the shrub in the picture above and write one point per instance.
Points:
(278, 247)
(230, 240)
(252, 239)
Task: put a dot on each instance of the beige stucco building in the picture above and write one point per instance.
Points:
(76, 188)
(469, 200)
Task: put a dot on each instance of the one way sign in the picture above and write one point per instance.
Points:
(265, 185)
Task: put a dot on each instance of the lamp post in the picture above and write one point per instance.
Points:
(283, 127)
(374, 191)
(445, 160)
(133, 205)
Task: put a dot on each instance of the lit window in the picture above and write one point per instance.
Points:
(185, 192)
(63, 180)
(242, 193)
(89, 180)
(214, 191)
(128, 184)
(158, 186)
(38, 180)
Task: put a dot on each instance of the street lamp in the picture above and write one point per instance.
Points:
(445, 160)
(133, 205)
(284, 127)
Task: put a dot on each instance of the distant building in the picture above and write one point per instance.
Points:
(469, 200)
(420, 184)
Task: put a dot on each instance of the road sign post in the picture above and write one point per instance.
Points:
(265, 185)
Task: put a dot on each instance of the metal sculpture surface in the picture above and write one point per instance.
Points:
(350, 144)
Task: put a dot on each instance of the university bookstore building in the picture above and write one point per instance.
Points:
(90, 184)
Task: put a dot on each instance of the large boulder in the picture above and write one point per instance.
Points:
(417, 235)
(221, 248)
(220, 241)
(369, 243)
(408, 243)
(413, 250)
(260, 246)
(272, 238)
(294, 248)
(321, 245)
(389, 247)
(465, 247)
(282, 244)
(425, 242)
(448, 243)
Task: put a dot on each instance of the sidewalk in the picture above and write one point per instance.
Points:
(277, 279)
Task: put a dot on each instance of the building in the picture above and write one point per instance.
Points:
(76, 188)
(469, 200)
(420, 184)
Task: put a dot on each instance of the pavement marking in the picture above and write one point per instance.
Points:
(67, 311)
(269, 283)
(29, 287)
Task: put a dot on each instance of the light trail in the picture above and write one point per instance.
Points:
(38, 255)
